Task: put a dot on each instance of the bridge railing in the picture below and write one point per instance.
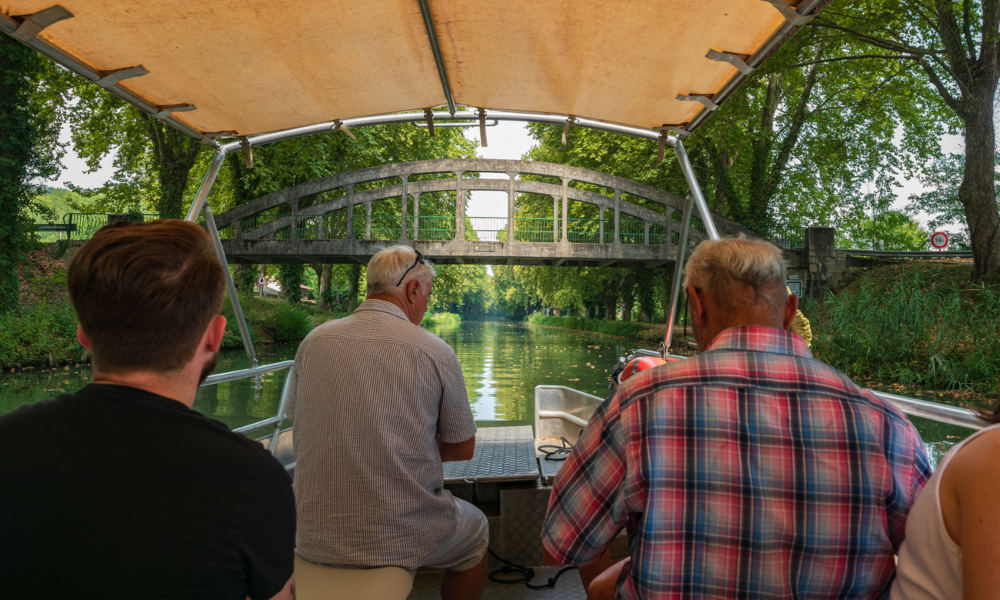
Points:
(83, 226)
(442, 228)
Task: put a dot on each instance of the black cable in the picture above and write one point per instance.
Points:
(553, 452)
(522, 574)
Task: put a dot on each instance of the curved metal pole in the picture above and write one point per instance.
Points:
(231, 286)
(675, 290)
(199, 205)
(285, 389)
(206, 185)
(471, 116)
(699, 199)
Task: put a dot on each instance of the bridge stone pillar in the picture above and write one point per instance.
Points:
(416, 216)
(459, 205)
(511, 175)
(565, 210)
(402, 211)
(349, 234)
(618, 240)
(819, 258)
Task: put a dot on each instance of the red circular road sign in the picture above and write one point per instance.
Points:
(939, 240)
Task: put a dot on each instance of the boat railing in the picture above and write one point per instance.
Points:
(279, 418)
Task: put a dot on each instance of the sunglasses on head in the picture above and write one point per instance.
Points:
(418, 261)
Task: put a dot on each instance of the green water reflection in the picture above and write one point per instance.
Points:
(502, 363)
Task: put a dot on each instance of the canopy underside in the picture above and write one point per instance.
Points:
(244, 67)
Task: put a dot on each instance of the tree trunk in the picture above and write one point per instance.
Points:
(977, 192)
(325, 274)
(352, 300)
(610, 306)
(175, 156)
(628, 297)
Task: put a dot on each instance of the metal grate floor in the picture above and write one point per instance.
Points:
(502, 454)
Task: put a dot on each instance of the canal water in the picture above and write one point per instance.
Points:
(502, 363)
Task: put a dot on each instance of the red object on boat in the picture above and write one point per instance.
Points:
(640, 364)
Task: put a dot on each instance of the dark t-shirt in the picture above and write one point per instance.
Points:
(115, 492)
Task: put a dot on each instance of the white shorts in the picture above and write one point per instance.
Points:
(467, 544)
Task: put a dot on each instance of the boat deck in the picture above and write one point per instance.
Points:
(427, 585)
(509, 481)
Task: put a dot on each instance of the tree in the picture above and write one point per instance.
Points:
(31, 97)
(956, 46)
(888, 230)
(940, 200)
(152, 160)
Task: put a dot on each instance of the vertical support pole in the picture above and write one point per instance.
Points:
(402, 210)
(510, 206)
(645, 233)
(675, 290)
(294, 233)
(695, 189)
(600, 238)
(285, 390)
(565, 209)
(237, 308)
(368, 220)
(460, 206)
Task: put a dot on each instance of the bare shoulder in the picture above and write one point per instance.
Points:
(970, 481)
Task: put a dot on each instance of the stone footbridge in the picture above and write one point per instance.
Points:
(554, 215)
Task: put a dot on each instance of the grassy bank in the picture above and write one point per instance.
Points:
(442, 319)
(919, 325)
(619, 328)
(42, 332)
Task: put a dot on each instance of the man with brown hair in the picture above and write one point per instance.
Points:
(121, 490)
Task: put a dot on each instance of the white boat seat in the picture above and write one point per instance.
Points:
(320, 582)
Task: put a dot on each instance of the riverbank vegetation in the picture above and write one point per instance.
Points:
(920, 325)
(619, 328)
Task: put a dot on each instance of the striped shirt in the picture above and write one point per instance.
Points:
(749, 471)
(372, 393)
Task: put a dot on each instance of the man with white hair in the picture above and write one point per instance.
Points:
(751, 470)
(378, 403)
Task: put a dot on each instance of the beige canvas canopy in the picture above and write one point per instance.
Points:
(243, 67)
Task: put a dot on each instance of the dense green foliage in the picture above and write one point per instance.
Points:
(441, 319)
(30, 101)
(953, 47)
(585, 324)
(39, 334)
(917, 324)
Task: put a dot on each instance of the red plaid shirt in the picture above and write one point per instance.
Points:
(749, 471)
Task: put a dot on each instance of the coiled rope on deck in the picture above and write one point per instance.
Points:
(522, 574)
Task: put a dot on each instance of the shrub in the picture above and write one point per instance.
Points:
(441, 319)
(39, 334)
(915, 328)
(621, 328)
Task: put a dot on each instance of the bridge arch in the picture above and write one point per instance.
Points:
(331, 220)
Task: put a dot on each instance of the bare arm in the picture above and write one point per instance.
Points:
(969, 489)
(457, 451)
